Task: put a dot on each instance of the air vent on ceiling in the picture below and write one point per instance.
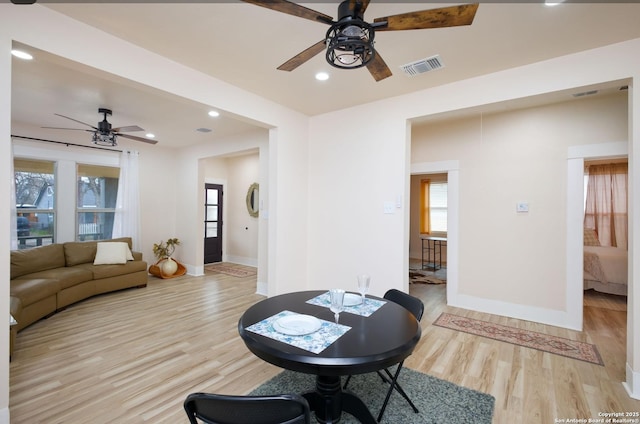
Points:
(424, 65)
(585, 93)
(203, 130)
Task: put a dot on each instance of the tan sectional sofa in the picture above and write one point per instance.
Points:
(47, 279)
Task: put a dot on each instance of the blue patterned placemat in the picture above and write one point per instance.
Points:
(365, 310)
(316, 342)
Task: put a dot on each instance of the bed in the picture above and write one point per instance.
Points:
(605, 269)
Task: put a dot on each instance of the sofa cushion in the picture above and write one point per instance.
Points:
(41, 258)
(66, 276)
(82, 252)
(31, 290)
(106, 271)
(112, 252)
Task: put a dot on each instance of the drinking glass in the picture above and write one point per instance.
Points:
(363, 285)
(337, 302)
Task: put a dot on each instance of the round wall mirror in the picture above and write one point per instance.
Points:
(252, 200)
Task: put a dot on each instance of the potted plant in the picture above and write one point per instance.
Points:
(163, 252)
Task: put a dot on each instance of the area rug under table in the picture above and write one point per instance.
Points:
(540, 341)
(231, 269)
(438, 401)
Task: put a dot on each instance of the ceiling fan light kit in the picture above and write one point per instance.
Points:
(350, 40)
(104, 139)
(350, 46)
(104, 134)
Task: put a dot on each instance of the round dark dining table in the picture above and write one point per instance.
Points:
(383, 339)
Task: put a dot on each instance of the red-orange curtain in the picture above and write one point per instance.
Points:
(606, 203)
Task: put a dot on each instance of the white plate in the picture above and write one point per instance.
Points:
(352, 299)
(297, 325)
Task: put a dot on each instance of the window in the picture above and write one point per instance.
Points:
(96, 202)
(433, 207)
(35, 202)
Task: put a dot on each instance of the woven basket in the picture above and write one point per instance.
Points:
(157, 270)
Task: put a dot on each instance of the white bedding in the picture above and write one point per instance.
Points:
(605, 269)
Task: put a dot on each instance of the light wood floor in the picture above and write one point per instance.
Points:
(133, 356)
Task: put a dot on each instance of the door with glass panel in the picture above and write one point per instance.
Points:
(212, 223)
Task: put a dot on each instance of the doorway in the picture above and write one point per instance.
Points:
(213, 223)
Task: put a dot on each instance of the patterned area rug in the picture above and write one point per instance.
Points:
(438, 401)
(531, 339)
(231, 269)
(422, 277)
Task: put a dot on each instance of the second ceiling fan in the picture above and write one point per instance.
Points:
(349, 40)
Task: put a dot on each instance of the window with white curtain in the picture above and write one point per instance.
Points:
(37, 188)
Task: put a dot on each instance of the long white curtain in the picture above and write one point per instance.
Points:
(126, 222)
(12, 206)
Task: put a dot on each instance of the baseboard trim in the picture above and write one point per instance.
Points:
(262, 288)
(632, 385)
(194, 271)
(511, 310)
(242, 260)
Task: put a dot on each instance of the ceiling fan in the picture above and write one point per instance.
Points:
(104, 134)
(349, 41)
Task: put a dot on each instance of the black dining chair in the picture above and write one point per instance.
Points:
(416, 307)
(227, 409)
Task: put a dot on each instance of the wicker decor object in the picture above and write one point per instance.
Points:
(156, 270)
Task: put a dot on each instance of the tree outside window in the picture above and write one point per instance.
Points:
(35, 202)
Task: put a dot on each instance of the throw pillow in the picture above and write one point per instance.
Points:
(591, 237)
(109, 253)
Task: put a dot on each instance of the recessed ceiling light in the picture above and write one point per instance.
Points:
(553, 2)
(214, 113)
(150, 135)
(22, 55)
(322, 76)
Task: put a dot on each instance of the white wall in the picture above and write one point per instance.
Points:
(242, 228)
(5, 218)
(352, 174)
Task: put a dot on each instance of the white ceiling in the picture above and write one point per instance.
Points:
(243, 44)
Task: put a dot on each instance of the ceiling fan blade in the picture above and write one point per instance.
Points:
(363, 5)
(73, 129)
(292, 9)
(136, 138)
(302, 57)
(434, 18)
(127, 129)
(75, 120)
(378, 68)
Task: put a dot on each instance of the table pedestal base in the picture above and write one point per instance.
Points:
(329, 400)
